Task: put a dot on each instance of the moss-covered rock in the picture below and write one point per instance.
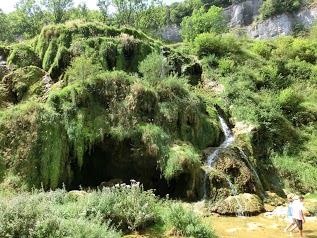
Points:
(230, 174)
(23, 55)
(112, 48)
(109, 127)
(4, 70)
(242, 204)
(33, 145)
(26, 82)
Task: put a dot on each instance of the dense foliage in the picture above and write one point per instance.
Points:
(264, 81)
(84, 103)
(212, 21)
(104, 213)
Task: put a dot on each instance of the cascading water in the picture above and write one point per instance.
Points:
(255, 174)
(229, 139)
(235, 194)
(213, 156)
(162, 72)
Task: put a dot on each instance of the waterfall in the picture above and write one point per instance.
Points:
(229, 139)
(213, 156)
(162, 71)
(255, 174)
(235, 194)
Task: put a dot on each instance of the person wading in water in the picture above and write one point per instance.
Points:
(297, 209)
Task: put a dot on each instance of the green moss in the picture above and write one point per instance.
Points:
(50, 54)
(61, 61)
(183, 158)
(23, 55)
(116, 105)
(33, 144)
(21, 82)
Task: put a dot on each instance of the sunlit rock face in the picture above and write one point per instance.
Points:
(243, 13)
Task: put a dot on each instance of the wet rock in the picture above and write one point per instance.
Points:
(229, 175)
(243, 203)
(268, 207)
(274, 199)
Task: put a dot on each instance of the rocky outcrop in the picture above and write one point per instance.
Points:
(243, 13)
(25, 82)
(171, 34)
(280, 25)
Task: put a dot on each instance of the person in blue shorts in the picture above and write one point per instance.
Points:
(297, 210)
(291, 220)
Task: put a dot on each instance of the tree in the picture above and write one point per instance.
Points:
(5, 28)
(127, 12)
(58, 9)
(201, 22)
(152, 18)
(28, 19)
(82, 12)
(270, 8)
(104, 7)
(178, 10)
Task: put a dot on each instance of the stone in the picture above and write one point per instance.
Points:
(268, 207)
(242, 13)
(243, 203)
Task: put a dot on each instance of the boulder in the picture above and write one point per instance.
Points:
(245, 203)
(27, 82)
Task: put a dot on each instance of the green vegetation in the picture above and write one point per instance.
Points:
(271, 8)
(84, 103)
(264, 81)
(212, 21)
(104, 213)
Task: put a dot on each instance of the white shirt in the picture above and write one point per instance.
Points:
(297, 206)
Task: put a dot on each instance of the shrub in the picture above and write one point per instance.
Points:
(262, 48)
(126, 205)
(81, 68)
(271, 8)
(298, 70)
(153, 68)
(298, 175)
(225, 65)
(212, 43)
(187, 223)
(290, 101)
